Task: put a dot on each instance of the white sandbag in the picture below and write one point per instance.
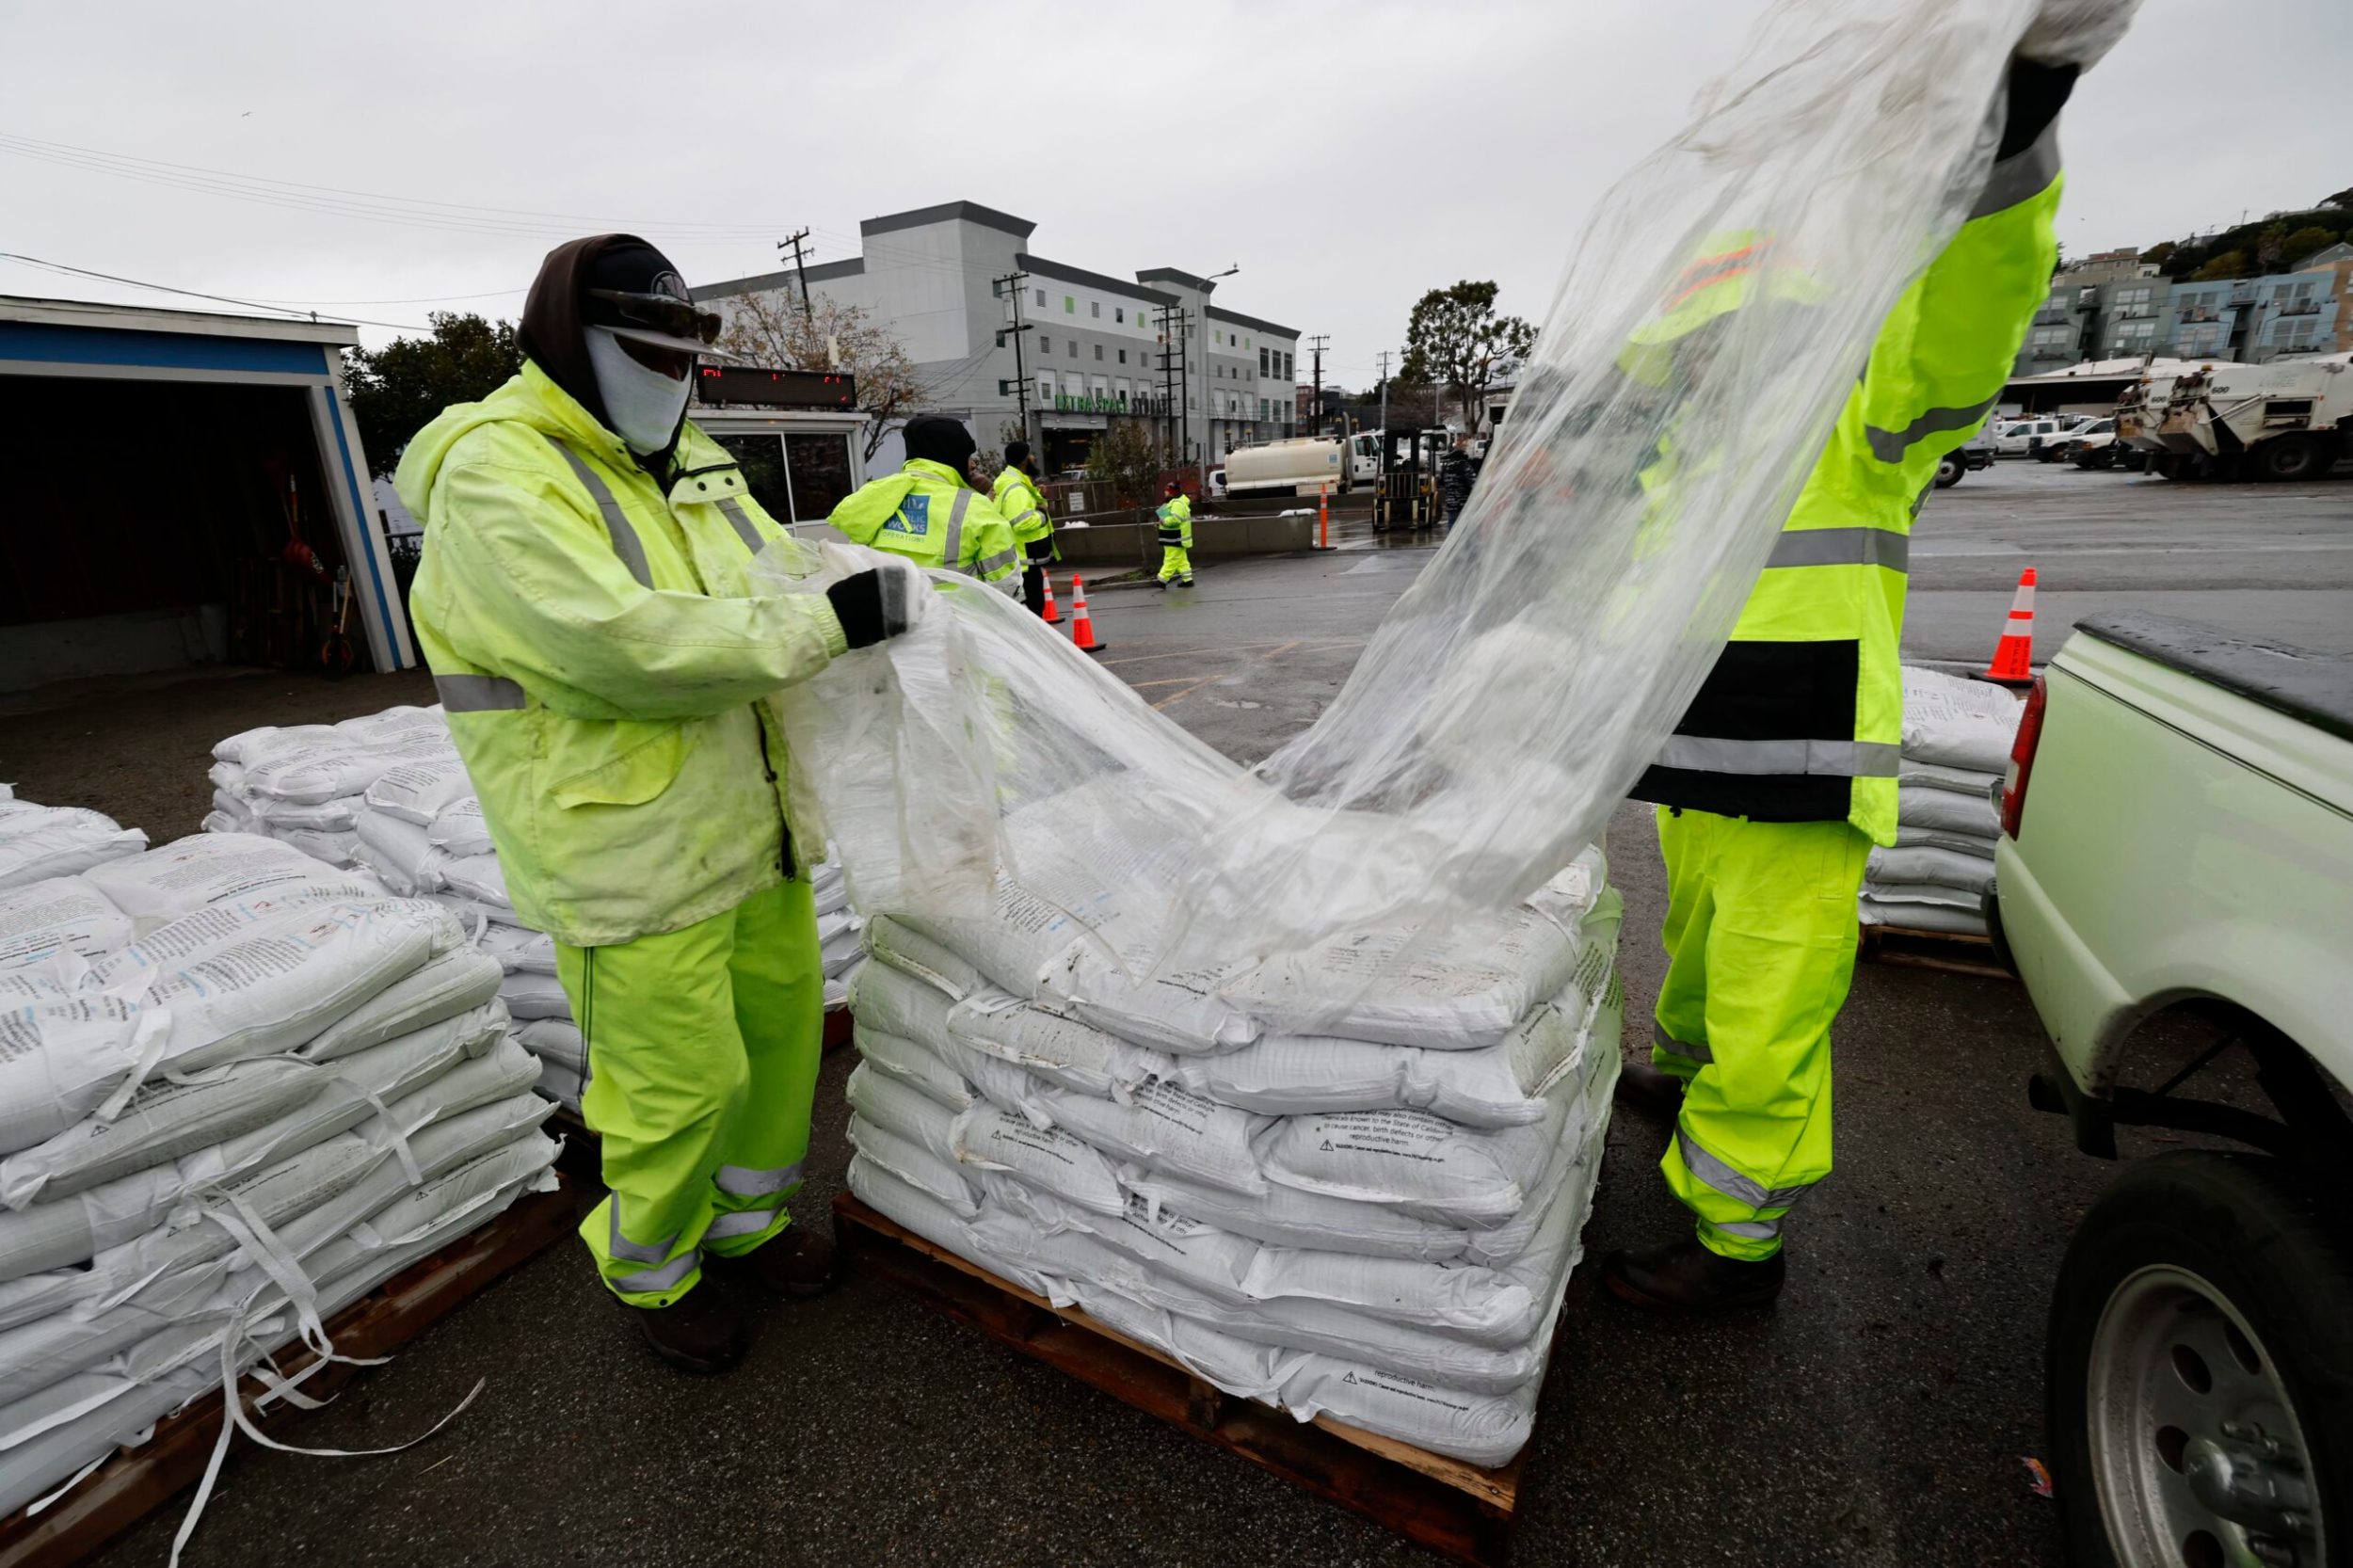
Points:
(250, 746)
(221, 822)
(1958, 723)
(1063, 1052)
(192, 873)
(460, 830)
(915, 1064)
(518, 949)
(894, 1002)
(1458, 987)
(991, 1138)
(282, 817)
(394, 725)
(1912, 774)
(1423, 1163)
(1890, 869)
(927, 1217)
(448, 1204)
(417, 792)
(1932, 838)
(306, 774)
(1214, 1261)
(911, 951)
(842, 945)
(1912, 914)
(339, 850)
(1287, 1216)
(398, 852)
(1485, 1429)
(478, 877)
(1163, 1127)
(555, 1040)
(454, 980)
(60, 1055)
(919, 1167)
(232, 809)
(58, 914)
(529, 996)
(38, 842)
(560, 1083)
(1238, 1366)
(1948, 812)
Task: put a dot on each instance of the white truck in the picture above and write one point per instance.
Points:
(1301, 466)
(2291, 419)
(2174, 885)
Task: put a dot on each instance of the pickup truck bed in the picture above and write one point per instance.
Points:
(2317, 688)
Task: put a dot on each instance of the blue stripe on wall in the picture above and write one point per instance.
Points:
(100, 346)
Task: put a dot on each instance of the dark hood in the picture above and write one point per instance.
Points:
(550, 330)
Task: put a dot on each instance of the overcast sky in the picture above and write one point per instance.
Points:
(1347, 155)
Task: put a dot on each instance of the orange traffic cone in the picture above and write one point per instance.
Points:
(2013, 655)
(1082, 624)
(1052, 613)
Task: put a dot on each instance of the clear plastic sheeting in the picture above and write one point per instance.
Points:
(979, 769)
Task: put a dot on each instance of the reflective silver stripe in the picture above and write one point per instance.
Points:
(1749, 1230)
(2021, 175)
(952, 557)
(1025, 517)
(1826, 759)
(616, 524)
(1665, 1041)
(622, 1247)
(1004, 560)
(1731, 1183)
(742, 1181)
(751, 1221)
(1889, 446)
(733, 511)
(1842, 547)
(663, 1278)
(477, 693)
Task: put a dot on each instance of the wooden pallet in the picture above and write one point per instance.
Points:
(1454, 1508)
(137, 1482)
(1948, 951)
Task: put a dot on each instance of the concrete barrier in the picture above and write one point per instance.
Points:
(1125, 545)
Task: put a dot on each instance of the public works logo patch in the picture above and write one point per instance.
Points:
(914, 516)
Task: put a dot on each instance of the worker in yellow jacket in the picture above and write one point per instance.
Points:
(1781, 775)
(931, 513)
(584, 601)
(1176, 521)
(1021, 503)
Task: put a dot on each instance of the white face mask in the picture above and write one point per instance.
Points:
(644, 405)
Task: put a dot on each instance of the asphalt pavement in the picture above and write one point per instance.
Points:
(1881, 1415)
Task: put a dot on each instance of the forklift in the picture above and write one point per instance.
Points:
(1407, 498)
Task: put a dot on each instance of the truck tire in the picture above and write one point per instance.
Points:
(1948, 472)
(2293, 457)
(2200, 1370)
(2174, 465)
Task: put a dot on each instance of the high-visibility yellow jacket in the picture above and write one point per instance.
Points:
(928, 514)
(1022, 504)
(1175, 515)
(1802, 719)
(602, 660)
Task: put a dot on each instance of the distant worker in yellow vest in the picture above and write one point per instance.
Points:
(930, 511)
(585, 601)
(1021, 503)
(1175, 515)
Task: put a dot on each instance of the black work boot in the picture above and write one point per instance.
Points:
(700, 1332)
(797, 1262)
(1648, 1089)
(1684, 1279)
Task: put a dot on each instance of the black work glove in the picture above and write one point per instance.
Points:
(871, 606)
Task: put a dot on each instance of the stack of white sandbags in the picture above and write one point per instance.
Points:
(239, 1088)
(1376, 1219)
(39, 842)
(1956, 749)
(387, 792)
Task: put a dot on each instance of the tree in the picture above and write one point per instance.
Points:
(2306, 240)
(397, 389)
(773, 332)
(2342, 198)
(1455, 339)
(1129, 461)
(2159, 252)
(2230, 263)
(2271, 246)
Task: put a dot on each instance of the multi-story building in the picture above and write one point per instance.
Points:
(1012, 341)
(2105, 311)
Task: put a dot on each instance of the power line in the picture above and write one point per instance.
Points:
(193, 294)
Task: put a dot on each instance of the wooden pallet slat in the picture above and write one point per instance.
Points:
(136, 1482)
(1453, 1508)
(1948, 952)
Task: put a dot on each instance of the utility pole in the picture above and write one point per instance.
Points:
(1012, 282)
(1165, 318)
(1317, 343)
(799, 271)
(1384, 408)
